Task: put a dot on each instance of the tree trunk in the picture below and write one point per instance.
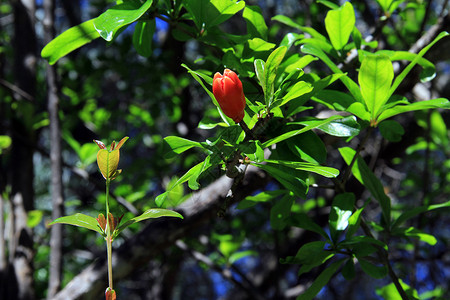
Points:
(56, 234)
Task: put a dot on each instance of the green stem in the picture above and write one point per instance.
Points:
(108, 238)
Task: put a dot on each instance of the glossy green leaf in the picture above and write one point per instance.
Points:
(364, 175)
(152, 213)
(329, 4)
(270, 72)
(344, 127)
(298, 89)
(179, 145)
(341, 210)
(259, 65)
(339, 24)
(354, 221)
(71, 39)
(417, 211)
(308, 146)
(280, 212)
(80, 220)
(309, 167)
(421, 105)
(391, 130)
(335, 100)
(358, 109)
(321, 281)
(311, 125)
(375, 78)
(405, 72)
(143, 37)
(429, 70)
(347, 81)
(209, 13)
(362, 239)
(125, 13)
(376, 271)
(256, 26)
(291, 179)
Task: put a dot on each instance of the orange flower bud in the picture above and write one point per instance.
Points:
(229, 93)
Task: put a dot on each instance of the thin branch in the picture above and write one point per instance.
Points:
(17, 90)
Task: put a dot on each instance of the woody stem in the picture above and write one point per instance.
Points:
(248, 133)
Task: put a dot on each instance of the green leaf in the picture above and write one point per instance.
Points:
(143, 37)
(34, 217)
(289, 22)
(358, 109)
(80, 220)
(256, 26)
(265, 196)
(280, 212)
(354, 221)
(347, 81)
(298, 89)
(416, 211)
(191, 176)
(109, 22)
(259, 71)
(417, 233)
(341, 210)
(108, 163)
(71, 39)
(309, 167)
(270, 72)
(376, 271)
(209, 13)
(308, 146)
(311, 254)
(301, 220)
(345, 127)
(321, 281)
(328, 4)
(311, 125)
(339, 24)
(390, 292)
(405, 72)
(335, 100)
(375, 78)
(348, 271)
(422, 105)
(179, 145)
(5, 142)
(292, 180)
(429, 70)
(391, 130)
(364, 175)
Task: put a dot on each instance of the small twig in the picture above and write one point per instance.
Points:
(17, 90)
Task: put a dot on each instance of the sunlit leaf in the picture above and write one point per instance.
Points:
(71, 39)
(339, 24)
(80, 220)
(125, 13)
